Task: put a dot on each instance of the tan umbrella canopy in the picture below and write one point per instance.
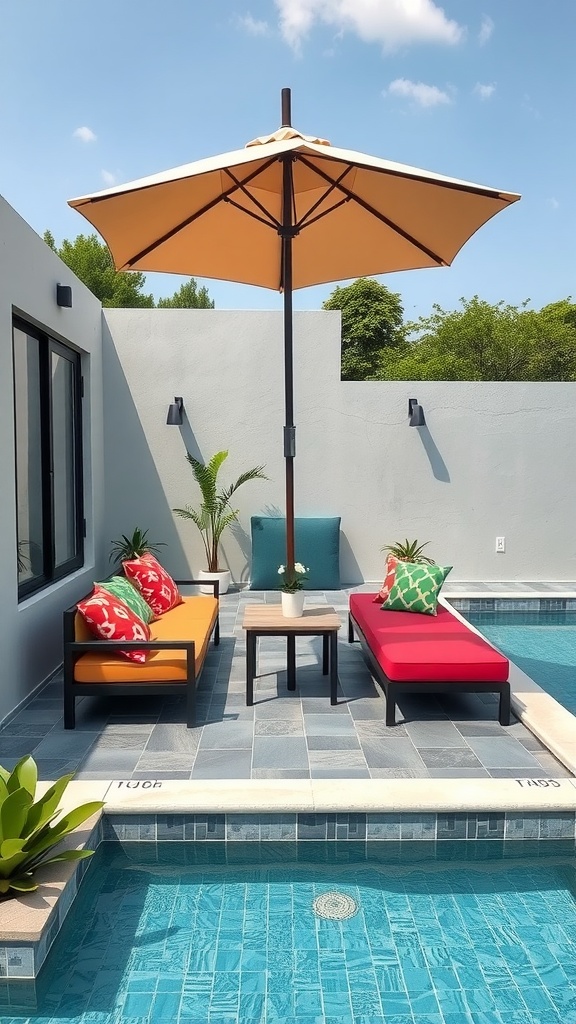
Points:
(289, 211)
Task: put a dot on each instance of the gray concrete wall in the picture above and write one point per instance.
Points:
(493, 459)
(31, 632)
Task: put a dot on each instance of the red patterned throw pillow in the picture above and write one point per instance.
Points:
(110, 619)
(154, 583)
(391, 563)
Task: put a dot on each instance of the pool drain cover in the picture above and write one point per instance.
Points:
(335, 906)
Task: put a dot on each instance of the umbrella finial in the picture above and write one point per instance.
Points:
(286, 109)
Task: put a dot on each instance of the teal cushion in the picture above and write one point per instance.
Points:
(316, 543)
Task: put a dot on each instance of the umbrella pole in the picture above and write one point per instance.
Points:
(289, 428)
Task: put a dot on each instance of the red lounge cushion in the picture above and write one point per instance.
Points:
(426, 648)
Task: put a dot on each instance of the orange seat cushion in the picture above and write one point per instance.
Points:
(194, 619)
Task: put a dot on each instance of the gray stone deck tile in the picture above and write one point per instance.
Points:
(339, 773)
(501, 752)
(374, 728)
(52, 768)
(280, 773)
(162, 760)
(449, 757)
(434, 734)
(222, 764)
(277, 707)
(123, 739)
(216, 736)
(66, 744)
(278, 727)
(322, 706)
(459, 773)
(17, 746)
(106, 760)
(396, 753)
(349, 743)
(325, 725)
(341, 759)
(173, 737)
(280, 752)
(488, 728)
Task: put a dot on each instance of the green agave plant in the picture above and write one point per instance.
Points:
(409, 551)
(28, 830)
(215, 512)
(134, 546)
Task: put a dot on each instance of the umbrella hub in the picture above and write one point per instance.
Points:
(285, 134)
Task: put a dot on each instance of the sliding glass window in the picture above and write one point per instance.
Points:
(47, 401)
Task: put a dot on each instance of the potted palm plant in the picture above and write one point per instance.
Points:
(215, 512)
(409, 551)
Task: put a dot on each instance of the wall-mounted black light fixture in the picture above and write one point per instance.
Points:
(64, 295)
(175, 411)
(415, 413)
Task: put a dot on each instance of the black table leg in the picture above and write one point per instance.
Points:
(325, 654)
(291, 660)
(250, 666)
(333, 666)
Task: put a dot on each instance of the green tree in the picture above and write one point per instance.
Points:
(188, 296)
(496, 342)
(372, 324)
(91, 261)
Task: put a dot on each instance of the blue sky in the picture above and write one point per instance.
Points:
(93, 94)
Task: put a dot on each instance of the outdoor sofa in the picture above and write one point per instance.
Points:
(178, 645)
(415, 653)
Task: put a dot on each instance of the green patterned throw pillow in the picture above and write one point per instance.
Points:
(416, 588)
(123, 589)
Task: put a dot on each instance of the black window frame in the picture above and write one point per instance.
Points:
(48, 344)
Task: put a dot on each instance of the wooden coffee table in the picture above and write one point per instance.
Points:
(267, 620)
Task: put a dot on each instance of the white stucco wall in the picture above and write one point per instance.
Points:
(31, 632)
(493, 459)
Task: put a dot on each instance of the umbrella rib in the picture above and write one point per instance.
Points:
(375, 213)
(199, 213)
(272, 221)
(306, 218)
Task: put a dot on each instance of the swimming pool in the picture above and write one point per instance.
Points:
(195, 940)
(542, 644)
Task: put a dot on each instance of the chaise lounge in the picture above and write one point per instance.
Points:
(411, 653)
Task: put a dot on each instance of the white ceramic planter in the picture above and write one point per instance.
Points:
(293, 604)
(224, 578)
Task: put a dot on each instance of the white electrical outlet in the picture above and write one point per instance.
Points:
(500, 544)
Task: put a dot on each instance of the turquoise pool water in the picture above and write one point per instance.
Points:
(438, 942)
(542, 644)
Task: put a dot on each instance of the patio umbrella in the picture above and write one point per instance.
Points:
(289, 211)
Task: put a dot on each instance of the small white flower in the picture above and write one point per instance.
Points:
(280, 570)
(299, 567)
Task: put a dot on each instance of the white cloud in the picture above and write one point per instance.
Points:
(486, 30)
(553, 203)
(84, 134)
(108, 178)
(392, 23)
(252, 26)
(423, 95)
(484, 91)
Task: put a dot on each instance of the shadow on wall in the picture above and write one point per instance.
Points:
(437, 464)
(134, 493)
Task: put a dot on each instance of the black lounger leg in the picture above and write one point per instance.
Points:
(217, 631)
(504, 707)
(390, 706)
(350, 630)
(325, 654)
